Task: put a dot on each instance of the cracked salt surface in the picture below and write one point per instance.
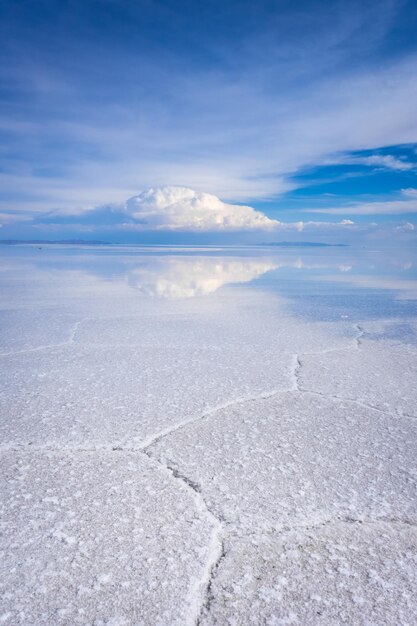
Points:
(142, 371)
(270, 464)
(216, 459)
(342, 573)
(98, 537)
(381, 374)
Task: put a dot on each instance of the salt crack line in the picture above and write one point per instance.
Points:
(153, 439)
(355, 346)
(364, 405)
(75, 329)
(296, 372)
(200, 594)
(37, 349)
(51, 346)
(359, 336)
(209, 595)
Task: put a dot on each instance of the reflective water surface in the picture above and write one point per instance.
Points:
(321, 283)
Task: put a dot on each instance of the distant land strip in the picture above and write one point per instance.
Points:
(303, 244)
(12, 242)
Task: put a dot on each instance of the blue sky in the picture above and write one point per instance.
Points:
(304, 111)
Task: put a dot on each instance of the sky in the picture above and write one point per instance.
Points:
(184, 121)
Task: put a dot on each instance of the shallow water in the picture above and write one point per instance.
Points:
(368, 282)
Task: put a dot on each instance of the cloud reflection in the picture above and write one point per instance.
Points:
(186, 278)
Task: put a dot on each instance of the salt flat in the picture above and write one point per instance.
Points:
(207, 437)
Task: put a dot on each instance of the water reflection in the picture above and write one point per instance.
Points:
(188, 278)
(320, 282)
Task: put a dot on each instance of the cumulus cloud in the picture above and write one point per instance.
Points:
(181, 208)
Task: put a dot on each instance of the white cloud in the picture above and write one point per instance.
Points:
(410, 192)
(391, 207)
(316, 226)
(382, 160)
(12, 218)
(181, 208)
(173, 208)
(407, 227)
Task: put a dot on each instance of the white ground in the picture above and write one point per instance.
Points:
(206, 460)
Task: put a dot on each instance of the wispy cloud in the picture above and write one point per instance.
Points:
(14, 218)
(410, 192)
(385, 161)
(392, 207)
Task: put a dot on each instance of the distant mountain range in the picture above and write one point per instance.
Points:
(12, 242)
(303, 244)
